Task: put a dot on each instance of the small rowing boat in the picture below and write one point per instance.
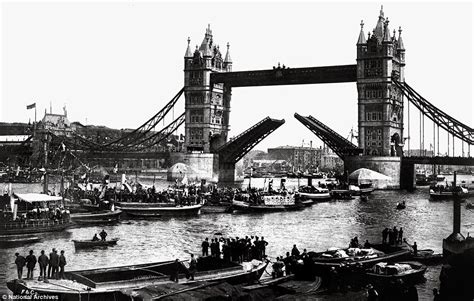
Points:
(82, 244)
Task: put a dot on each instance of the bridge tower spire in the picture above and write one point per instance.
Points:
(207, 107)
(380, 60)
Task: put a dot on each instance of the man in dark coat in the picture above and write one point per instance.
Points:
(295, 252)
(30, 265)
(50, 267)
(103, 235)
(205, 247)
(54, 263)
(192, 267)
(20, 262)
(43, 261)
(62, 262)
(384, 235)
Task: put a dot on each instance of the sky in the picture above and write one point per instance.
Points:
(118, 63)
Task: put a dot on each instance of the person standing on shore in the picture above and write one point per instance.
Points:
(50, 266)
(30, 265)
(192, 267)
(20, 262)
(205, 247)
(43, 262)
(62, 262)
(54, 263)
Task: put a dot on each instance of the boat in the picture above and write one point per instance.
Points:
(401, 205)
(83, 244)
(316, 194)
(361, 189)
(220, 207)
(17, 240)
(30, 213)
(333, 257)
(96, 217)
(441, 192)
(265, 202)
(427, 256)
(341, 194)
(382, 273)
(469, 206)
(107, 283)
(158, 209)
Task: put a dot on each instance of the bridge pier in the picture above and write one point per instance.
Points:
(407, 175)
(226, 173)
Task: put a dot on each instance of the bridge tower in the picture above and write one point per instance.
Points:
(380, 59)
(207, 108)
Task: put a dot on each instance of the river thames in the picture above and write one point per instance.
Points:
(324, 225)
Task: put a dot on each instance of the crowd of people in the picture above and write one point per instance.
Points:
(392, 236)
(235, 249)
(54, 265)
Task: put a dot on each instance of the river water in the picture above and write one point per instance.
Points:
(315, 228)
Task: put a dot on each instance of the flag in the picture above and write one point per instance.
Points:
(31, 106)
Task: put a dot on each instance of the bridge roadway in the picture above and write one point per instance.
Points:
(287, 76)
(468, 161)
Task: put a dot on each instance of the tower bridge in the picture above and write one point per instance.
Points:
(379, 74)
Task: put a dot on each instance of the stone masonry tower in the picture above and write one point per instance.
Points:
(207, 108)
(380, 59)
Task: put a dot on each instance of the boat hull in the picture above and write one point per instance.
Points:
(151, 211)
(416, 276)
(62, 292)
(99, 217)
(17, 240)
(246, 207)
(84, 244)
(33, 227)
(316, 197)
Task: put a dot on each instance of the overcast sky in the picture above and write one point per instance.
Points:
(117, 63)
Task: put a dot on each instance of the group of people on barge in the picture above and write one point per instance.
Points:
(54, 264)
(235, 249)
(392, 236)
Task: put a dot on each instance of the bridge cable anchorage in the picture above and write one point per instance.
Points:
(340, 145)
(448, 123)
(236, 148)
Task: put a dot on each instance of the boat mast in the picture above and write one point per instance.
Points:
(45, 162)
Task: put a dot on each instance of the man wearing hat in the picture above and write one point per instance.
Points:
(30, 265)
(20, 262)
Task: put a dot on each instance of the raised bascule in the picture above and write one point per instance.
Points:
(382, 91)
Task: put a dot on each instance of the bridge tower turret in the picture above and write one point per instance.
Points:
(207, 112)
(380, 59)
